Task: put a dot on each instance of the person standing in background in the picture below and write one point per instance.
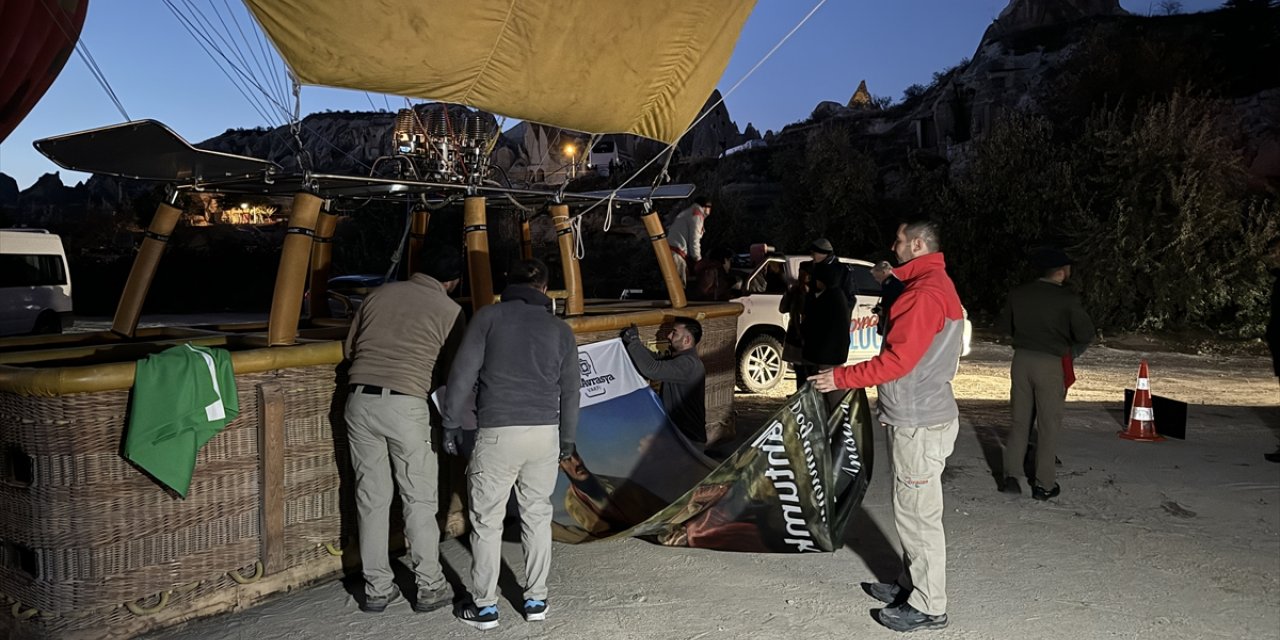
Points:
(1048, 323)
(685, 236)
(826, 324)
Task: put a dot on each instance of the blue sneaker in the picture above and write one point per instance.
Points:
(481, 618)
(535, 610)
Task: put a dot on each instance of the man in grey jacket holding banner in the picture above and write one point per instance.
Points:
(522, 362)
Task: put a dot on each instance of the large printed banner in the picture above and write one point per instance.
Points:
(631, 461)
(790, 488)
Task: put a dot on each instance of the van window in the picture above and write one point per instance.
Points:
(28, 270)
(866, 283)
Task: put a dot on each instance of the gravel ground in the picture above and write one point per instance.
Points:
(1174, 540)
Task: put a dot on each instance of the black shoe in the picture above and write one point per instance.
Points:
(481, 618)
(1044, 494)
(535, 610)
(886, 592)
(432, 599)
(905, 617)
(1272, 457)
(378, 604)
(1010, 485)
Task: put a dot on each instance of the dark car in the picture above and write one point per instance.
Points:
(347, 292)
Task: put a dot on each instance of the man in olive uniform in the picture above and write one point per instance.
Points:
(1048, 323)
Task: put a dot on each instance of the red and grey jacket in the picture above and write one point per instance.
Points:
(921, 350)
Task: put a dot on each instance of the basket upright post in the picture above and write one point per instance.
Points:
(125, 322)
(291, 279)
(476, 232)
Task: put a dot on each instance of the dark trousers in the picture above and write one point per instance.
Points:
(1038, 396)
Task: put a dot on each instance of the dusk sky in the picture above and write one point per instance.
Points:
(159, 72)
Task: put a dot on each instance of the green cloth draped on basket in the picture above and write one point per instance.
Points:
(182, 398)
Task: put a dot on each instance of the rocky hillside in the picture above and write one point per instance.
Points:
(1063, 58)
(1053, 57)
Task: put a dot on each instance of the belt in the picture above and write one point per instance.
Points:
(373, 390)
(678, 251)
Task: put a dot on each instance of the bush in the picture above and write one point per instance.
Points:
(1163, 211)
(1154, 207)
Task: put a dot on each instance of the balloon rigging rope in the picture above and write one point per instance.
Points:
(82, 49)
(708, 111)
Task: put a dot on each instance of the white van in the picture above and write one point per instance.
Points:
(35, 284)
(607, 157)
(762, 327)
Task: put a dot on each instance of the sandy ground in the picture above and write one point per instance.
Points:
(1174, 540)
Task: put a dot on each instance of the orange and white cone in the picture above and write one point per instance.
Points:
(1142, 420)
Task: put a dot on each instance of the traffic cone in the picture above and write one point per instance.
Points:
(1142, 420)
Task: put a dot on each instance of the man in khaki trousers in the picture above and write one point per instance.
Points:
(1048, 324)
(913, 372)
(523, 362)
(401, 343)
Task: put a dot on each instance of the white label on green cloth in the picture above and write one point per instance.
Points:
(215, 411)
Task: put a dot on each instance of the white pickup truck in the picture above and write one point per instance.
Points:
(762, 327)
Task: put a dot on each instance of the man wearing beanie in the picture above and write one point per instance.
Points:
(822, 252)
(523, 363)
(401, 345)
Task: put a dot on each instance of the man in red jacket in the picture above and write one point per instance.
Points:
(913, 375)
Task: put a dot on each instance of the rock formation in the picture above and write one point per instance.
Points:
(1022, 15)
(713, 134)
(861, 98)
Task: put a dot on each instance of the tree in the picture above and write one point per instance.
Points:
(1169, 7)
(914, 91)
(1161, 204)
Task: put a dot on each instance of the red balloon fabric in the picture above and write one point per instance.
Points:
(36, 39)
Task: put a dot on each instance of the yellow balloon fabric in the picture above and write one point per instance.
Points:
(599, 66)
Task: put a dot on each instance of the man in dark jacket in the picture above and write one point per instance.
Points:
(822, 252)
(1047, 323)
(523, 363)
(681, 372)
(913, 371)
(825, 328)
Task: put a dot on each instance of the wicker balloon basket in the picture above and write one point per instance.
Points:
(90, 547)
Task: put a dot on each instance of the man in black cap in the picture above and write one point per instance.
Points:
(1048, 324)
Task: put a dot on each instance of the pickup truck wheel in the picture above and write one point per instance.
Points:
(760, 364)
